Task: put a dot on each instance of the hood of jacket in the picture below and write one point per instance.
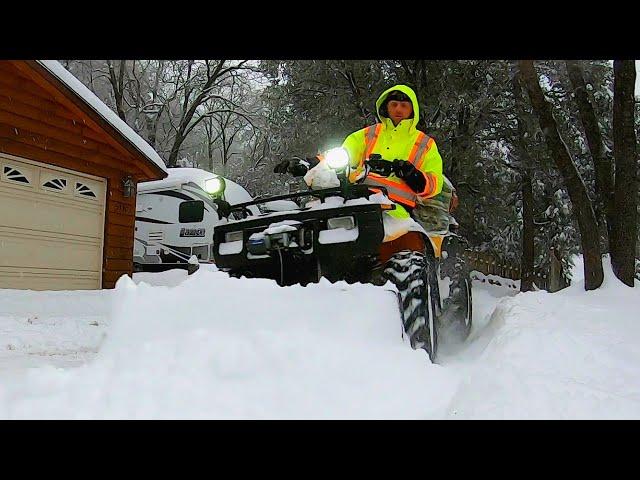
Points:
(408, 91)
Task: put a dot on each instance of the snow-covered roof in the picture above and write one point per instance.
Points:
(233, 192)
(177, 177)
(75, 85)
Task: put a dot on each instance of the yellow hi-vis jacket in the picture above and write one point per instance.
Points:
(402, 142)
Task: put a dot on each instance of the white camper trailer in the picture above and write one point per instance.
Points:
(175, 218)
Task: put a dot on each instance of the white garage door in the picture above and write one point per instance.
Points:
(51, 227)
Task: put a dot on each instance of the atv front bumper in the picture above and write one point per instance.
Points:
(316, 236)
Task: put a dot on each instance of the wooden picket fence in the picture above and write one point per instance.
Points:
(488, 264)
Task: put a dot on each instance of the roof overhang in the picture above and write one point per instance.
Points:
(101, 115)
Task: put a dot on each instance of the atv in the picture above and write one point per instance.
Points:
(345, 233)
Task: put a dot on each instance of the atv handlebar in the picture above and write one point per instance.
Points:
(348, 191)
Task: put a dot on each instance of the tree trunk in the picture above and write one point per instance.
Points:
(151, 125)
(582, 207)
(459, 143)
(117, 85)
(528, 235)
(602, 164)
(526, 165)
(210, 155)
(175, 149)
(623, 239)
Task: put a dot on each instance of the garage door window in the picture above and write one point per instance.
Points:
(57, 184)
(85, 191)
(14, 175)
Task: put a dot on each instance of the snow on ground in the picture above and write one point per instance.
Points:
(170, 345)
(62, 328)
(568, 355)
(188, 352)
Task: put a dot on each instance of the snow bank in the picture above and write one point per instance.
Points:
(215, 347)
(207, 346)
(568, 355)
(495, 280)
(169, 278)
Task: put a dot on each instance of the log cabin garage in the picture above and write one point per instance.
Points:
(68, 170)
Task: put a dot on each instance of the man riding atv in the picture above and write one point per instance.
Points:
(413, 156)
(382, 177)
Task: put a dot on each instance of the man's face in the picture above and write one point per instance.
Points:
(399, 111)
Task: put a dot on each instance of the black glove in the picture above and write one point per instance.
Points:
(410, 174)
(296, 166)
(293, 166)
(381, 167)
(224, 207)
(281, 167)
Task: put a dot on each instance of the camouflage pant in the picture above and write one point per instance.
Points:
(432, 219)
(433, 213)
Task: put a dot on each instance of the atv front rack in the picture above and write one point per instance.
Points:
(351, 192)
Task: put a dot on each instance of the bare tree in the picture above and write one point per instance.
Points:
(149, 96)
(226, 127)
(582, 207)
(200, 83)
(167, 101)
(345, 71)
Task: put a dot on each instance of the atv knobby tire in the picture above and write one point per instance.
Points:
(414, 276)
(457, 315)
(464, 306)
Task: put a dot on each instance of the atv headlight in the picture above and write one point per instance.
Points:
(341, 222)
(214, 185)
(337, 158)
(232, 237)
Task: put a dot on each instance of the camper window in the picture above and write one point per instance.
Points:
(191, 211)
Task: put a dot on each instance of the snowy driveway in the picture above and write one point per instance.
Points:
(207, 346)
(56, 328)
